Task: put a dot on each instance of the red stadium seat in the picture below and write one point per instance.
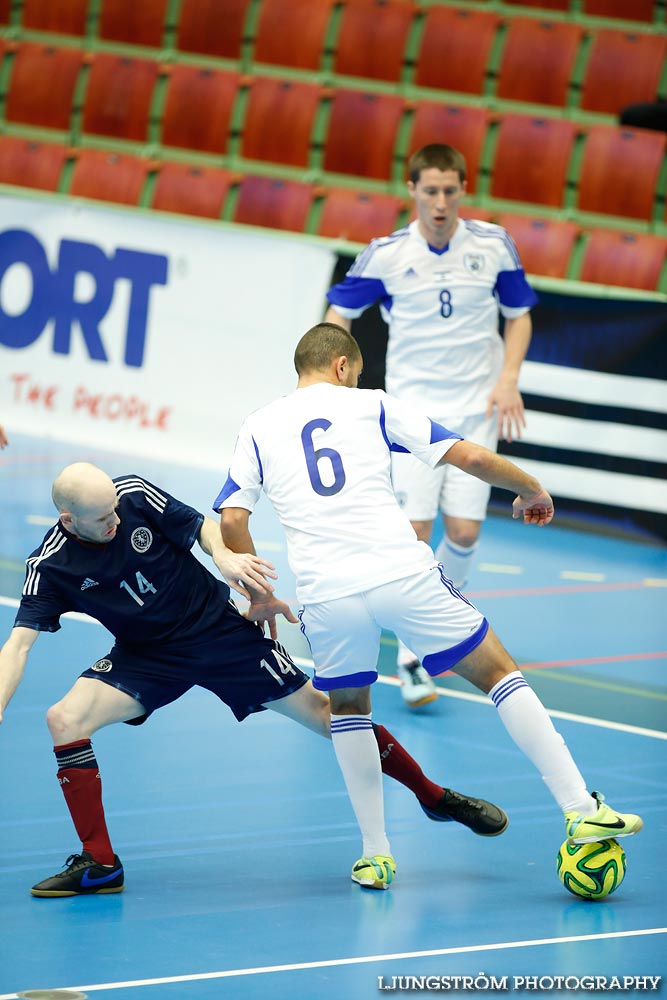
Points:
(41, 88)
(633, 260)
(31, 164)
(455, 48)
(198, 108)
(278, 204)
(279, 120)
(358, 216)
(462, 127)
(474, 212)
(637, 10)
(212, 27)
(531, 159)
(116, 177)
(5, 10)
(641, 57)
(362, 133)
(619, 171)
(372, 38)
(292, 34)
(118, 96)
(64, 17)
(538, 60)
(545, 4)
(191, 190)
(138, 23)
(545, 245)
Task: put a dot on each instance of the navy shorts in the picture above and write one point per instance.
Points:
(234, 660)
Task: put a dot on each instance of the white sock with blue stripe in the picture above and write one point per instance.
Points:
(359, 759)
(526, 720)
(457, 560)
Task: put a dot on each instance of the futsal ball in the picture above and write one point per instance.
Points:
(591, 871)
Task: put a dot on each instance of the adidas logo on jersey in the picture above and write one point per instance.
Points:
(410, 273)
(89, 583)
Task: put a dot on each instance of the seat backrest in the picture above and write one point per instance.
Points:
(292, 34)
(42, 85)
(191, 190)
(538, 60)
(455, 48)
(137, 23)
(358, 216)
(198, 108)
(633, 260)
(545, 245)
(372, 38)
(279, 120)
(118, 96)
(619, 171)
(464, 128)
(29, 163)
(532, 158)
(63, 17)
(278, 204)
(212, 27)
(116, 177)
(362, 133)
(632, 10)
(641, 56)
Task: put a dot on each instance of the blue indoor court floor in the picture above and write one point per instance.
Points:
(237, 840)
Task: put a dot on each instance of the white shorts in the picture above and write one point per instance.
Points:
(422, 491)
(425, 611)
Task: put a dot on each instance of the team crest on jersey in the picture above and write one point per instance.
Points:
(474, 262)
(102, 666)
(142, 539)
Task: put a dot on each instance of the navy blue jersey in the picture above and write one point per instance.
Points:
(144, 585)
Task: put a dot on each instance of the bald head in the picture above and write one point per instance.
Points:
(86, 500)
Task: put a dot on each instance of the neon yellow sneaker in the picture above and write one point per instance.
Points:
(602, 825)
(376, 872)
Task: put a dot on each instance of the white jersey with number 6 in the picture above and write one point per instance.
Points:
(322, 456)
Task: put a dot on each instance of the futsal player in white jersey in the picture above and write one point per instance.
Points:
(441, 283)
(322, 456)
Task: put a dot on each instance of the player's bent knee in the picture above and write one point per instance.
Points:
(64, 724)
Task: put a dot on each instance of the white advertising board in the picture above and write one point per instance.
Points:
(150, 335)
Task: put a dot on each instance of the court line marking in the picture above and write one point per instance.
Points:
(479, 699)
(359, 960)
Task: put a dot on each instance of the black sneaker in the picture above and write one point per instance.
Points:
(83, 876)
(480, 816)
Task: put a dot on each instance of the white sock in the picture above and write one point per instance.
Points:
(457, 560)
(404, 656)
(526, 720)
(359, 759)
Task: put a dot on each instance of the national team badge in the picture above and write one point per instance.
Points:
(474, 262)
(142, 539)
(102, 666)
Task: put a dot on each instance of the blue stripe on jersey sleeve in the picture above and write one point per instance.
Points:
(357, 293)
(227, 490)
(513, 290)
(440, 433)
(390, 444)
(259, 461)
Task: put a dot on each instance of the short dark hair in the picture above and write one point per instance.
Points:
(436, 155)
(321, 345)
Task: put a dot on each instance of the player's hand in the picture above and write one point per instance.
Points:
(247, 574)
(264, 610)
(511, 418)
(536, 508)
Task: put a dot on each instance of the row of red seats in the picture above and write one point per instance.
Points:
(610, 257)
(537, 66)
(618, 176)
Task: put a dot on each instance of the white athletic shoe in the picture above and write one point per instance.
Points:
(417, 687)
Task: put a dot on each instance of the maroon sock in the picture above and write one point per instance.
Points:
(398, 764)
(79, 777)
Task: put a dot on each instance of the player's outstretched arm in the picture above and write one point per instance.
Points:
(533, 501)
(331, 316)
(241, 569)
(13, 658)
